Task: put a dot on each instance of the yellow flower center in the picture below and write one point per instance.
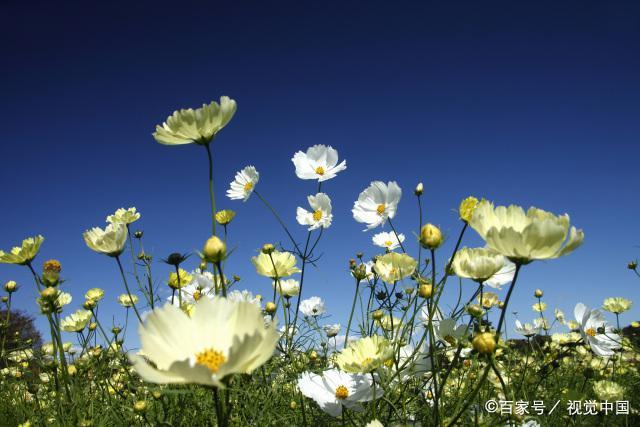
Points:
(210, 358)
(342, 392)
(388, 243)
(317, 215)
(591, 332)
(380, 209)
(320, 170)
(196, 295)
(248, 186)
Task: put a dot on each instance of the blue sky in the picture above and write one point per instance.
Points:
(531, 103)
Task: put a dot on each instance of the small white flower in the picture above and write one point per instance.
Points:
(320, 216)
(243, 184)
(388, 240)
(313, 306)
(287, 287)
(377, 203)
(334, 389)
(596, 332)
(124, 216)
(199, 126)
(527, 329)
(332, 330)
(448, 332)
(109, 241)
(319, 162)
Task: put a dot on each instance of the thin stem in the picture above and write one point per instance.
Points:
(126, 286)
(396, 233)
(273, 211)
(304, 264)
(353, 306)
(211, 195)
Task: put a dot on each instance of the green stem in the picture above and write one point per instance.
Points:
(211, 195)
(126, 286)
(353, 306)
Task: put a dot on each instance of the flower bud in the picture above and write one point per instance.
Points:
(140, 406)
(377, 315)
(50, 278)
(49, 293)
(224, 217)
(10, 286)
(425, 290)
(313, 355)
(270, 307)
(156, 394)
(93, 326)
(5, 299)
(293, 404)
(116, 330)
(215, 250)
(475, 310)
(419, 189)
(632, 265)
(89, 304)
(484, 343)
(268, 248)
(203, 266)
(430, 236)
(538, 293)
(138, 234)
(360, 272)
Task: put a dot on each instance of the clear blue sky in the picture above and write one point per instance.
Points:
(532, 103)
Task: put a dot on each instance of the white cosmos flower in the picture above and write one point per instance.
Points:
(313, 306)
(334, 389)
(524, 237)
(124, 216)
(411, 362)
(377, 203)
(198, 126)
(526, 329)
(109, 241)
(332, 330)
(320, 216)
(388, 240)
(287, 287)
(477, 264)
(76, 322)
(220, 338)
(596, 332)
(243, 184)
(448, 332)
(394, 266)
(503, 276)
(319, 162)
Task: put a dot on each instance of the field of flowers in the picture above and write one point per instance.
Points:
(215, 354)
